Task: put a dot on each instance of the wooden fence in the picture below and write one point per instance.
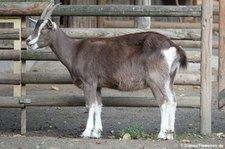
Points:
(202, 38)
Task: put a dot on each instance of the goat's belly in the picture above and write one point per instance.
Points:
(130, 84)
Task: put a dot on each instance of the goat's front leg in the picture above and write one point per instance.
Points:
(90, 123)
(94, 115)
(98, 122)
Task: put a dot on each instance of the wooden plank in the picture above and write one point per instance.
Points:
(9, 34)
(126, 10)
(71, 100)
(158, 25)
(143, 22)
(38, 55)
(17, 64)
(10, 55)
(187, 34)
(64, 78)
(193, 44)
(221, 66)
(10, 79)
(23, 89)
(100, 20)
(10, 102)
(35, 8)
(21, 8)
(206, 67)
(182, 43)
(43, 55)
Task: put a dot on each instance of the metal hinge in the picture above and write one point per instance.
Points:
(25, 101)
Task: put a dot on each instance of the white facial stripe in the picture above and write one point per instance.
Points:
(34, 40)
(41, 27)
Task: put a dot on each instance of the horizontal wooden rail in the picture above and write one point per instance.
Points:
(158, 25)
(64, 78)
(71, 100)
(45, 55)
(10, 79)
(35, 8)
(9, 34)
(193, 44)
(51, 78)
(182, 43)
(187, 34)
(10, 55)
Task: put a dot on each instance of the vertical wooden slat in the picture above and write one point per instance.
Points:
(221, 66)
(206, 68)
(143, 22)
(23, 89)
(100, 20)
(18, 68)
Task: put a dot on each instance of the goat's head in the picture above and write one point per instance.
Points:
(43, 34)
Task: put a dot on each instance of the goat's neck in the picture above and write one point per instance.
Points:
(64, 47)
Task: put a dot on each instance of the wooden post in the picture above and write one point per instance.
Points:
(100, 20)
(143, 22)
(221, 65)
(18, 67)
(206, 68)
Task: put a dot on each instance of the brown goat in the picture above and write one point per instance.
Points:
(127, 63)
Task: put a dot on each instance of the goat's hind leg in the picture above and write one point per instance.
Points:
(168, 109)
(163, 94)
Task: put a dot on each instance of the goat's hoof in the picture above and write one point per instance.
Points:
(169, 136)
(86, 134)
(166, 135)
(162, 136)
(96, 133)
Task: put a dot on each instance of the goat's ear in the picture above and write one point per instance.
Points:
(33, 20)
(51, 24)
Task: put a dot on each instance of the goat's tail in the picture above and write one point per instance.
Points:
(182, 57)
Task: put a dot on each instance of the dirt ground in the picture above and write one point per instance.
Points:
(60, 127)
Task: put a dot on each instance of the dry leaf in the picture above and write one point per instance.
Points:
(98, 142)
(17, 135)
(186, 141)
(181, 89)
(182, 95)
(196, 87)
(220, 134)
(55, 88)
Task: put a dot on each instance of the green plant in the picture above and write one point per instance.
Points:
(136, 131)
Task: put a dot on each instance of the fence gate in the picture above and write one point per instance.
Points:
(21, 78)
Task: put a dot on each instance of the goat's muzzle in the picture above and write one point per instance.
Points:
(31, 44)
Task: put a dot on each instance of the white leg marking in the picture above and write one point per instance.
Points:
(90, 123)
(164, 121)
(98, 122)
(168, 115)
(172, 110)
